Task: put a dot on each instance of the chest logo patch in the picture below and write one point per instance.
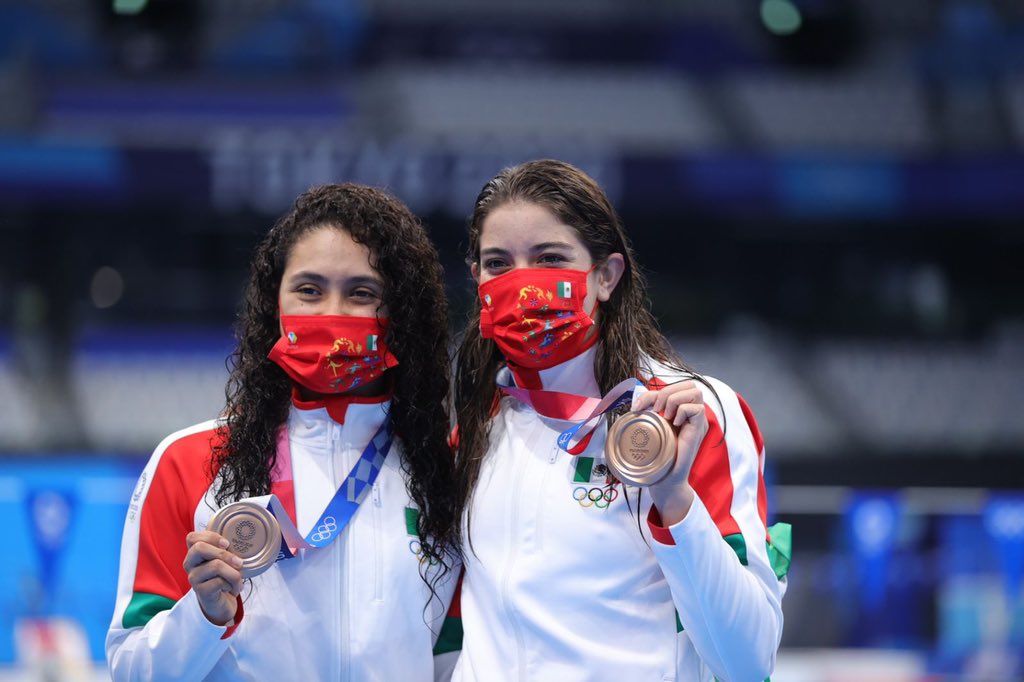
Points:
(412, 518)
(595, 486)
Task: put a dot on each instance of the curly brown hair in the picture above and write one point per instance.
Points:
(627, 327)
(258, 391)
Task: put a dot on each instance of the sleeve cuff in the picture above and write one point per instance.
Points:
(233, 625)
(659, 532)
(697, 520)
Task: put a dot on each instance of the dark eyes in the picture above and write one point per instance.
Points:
(362, 293)
(494, 264)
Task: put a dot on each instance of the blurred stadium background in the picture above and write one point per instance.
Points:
(828, 195)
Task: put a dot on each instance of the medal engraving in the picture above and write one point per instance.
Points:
(253, 533)
(641, 448)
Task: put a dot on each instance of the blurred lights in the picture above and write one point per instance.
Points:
(106, 288)
(781, 17)
(30, 307)
(129, 6)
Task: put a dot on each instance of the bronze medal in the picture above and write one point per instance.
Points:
(641, 448)
(253, 532)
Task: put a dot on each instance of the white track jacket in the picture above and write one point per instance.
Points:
(354, 610)
(563, 582)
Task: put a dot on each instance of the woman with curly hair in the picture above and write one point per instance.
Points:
(336, 425)
(562, 581)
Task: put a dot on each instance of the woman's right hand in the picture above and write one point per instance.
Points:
(213, 572)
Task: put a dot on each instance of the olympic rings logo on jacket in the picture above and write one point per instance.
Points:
(595, 497)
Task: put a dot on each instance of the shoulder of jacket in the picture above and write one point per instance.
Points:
(728, 405)
(724, 390)
(658, 371)
(178, 470)
(740, 424)
(192, 445)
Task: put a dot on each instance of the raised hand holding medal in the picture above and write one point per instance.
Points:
(654, 445)
(640, 448)
(252, 532)
(214, 573)
(244, 538)
(682, 405)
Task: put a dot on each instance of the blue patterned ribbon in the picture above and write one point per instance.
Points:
(343, 505)
(567, 406)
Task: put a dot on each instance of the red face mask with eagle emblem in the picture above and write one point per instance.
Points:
(536, 315)
(332, 353)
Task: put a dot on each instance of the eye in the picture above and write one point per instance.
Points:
(552, 259)
(492, 264)
(363, 294)
(307, 290)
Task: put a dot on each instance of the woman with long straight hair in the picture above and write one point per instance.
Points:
(307, 533)
(562, 580)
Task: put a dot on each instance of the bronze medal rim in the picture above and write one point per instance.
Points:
(641, 475)
(265, 557)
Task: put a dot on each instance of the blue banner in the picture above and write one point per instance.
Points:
(264, 170)
(50, 514)
(1004, 521)
(873, 521)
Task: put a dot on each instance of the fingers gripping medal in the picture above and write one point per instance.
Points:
(640, 448)
(259, 529)
(253, 532)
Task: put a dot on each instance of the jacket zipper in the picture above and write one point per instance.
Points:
(348, 566)
(343, 610)
(542, 497)
(378, 550)
(517, 484)
(336, 563)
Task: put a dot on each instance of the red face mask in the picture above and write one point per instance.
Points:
(332, 353)
(536, 315)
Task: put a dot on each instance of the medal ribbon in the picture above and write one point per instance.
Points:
(570, 407)
(343, 505)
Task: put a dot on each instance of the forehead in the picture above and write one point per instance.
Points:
(520, 225)
(329, 250)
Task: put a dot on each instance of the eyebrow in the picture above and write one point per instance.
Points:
(308, 275)
(365, 279)
(317, 278)
(551, 245)
(496, 251)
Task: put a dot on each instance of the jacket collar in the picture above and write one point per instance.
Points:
(354, 418)
(575, 376)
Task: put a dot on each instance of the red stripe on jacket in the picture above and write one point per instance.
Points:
(762, 493)
(711, 476)
(180, 481)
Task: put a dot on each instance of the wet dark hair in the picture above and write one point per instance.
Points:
(259, 392)
(628, 330)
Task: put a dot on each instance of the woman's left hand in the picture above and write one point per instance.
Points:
(683, 405)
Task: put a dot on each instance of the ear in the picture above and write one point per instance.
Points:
(608, 275)
(474, 269)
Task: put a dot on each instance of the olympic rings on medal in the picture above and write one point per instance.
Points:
(325, 530)
(595, 497)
